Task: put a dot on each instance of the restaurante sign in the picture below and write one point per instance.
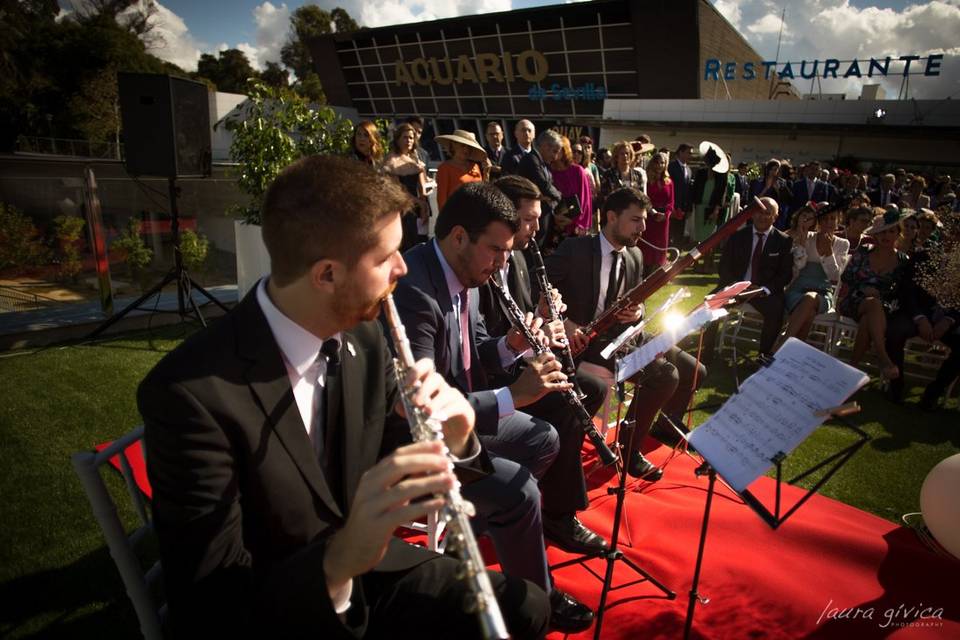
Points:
(829, 68)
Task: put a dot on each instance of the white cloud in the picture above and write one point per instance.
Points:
(821, 29)
(729, 9)
(379, 13)
(273, 25)
(175, 42)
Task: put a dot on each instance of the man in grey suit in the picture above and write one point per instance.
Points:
(276, 457)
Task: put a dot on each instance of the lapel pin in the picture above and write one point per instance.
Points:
(350, 348)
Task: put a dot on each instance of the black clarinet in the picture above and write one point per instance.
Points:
(565, 354)
(516, 317)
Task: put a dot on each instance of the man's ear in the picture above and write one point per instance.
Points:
(325, 273)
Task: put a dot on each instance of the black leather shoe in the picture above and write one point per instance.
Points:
(568, 533)
(567, 615)
(640, 467)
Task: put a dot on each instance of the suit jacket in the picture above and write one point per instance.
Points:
(876, 197)
(511, 161)
(495, 315)
(241, 504)
(426, 309)
(574, 269)
(776, 261)
(682, 189)
(822, 192)
(497, 158)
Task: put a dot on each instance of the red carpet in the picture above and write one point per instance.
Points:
(831, 571)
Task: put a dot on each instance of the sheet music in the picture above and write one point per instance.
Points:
(667, 338)
(774, 411)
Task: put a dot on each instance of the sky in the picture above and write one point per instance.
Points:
(814, 29)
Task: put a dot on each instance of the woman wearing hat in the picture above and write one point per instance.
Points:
(465, 163)
(873, 281)
(709, 187)
(825, 254)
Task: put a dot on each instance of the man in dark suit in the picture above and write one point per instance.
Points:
(682, 177)
(439, 304)
(524, 134)
(886, 193)
(563, 485)
(272, 441)
(761, 254)
(496, 152)
(535, 167)
(810, 188)
(592, 272)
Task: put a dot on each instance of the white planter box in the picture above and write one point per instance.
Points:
(253, 262)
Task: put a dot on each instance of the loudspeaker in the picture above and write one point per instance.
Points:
(166, 125)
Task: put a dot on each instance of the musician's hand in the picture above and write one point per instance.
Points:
(438, 399)
(630, 314)
(518, 342)
(542, 375)
(556, 334)
(382, 503)
(578, 341)
(543, 309)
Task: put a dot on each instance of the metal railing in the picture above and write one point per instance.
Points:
(68, 147)
(16, 300)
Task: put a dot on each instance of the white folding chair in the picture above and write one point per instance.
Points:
(122, 546)
(433, 527)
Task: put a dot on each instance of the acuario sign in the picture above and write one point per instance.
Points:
(529, 65)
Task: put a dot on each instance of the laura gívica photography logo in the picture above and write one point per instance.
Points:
(903, 615)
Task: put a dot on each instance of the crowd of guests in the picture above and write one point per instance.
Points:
(843, 256)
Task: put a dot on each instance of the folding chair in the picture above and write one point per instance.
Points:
(121, 545)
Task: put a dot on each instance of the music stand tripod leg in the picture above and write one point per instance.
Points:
(695, 596)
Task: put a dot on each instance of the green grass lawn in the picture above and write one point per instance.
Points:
(57, 579)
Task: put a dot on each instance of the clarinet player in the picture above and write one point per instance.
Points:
(275, 449)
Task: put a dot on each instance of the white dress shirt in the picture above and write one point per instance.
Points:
(747, 276)
(307, 372)
(606, 261)
(505, 405)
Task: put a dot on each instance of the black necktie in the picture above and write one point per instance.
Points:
(613, 282)
(331, 461)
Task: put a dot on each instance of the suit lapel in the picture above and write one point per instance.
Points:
(268, 381)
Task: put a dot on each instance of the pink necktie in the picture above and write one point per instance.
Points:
(465, 334)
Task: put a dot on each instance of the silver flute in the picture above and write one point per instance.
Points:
(456, 511)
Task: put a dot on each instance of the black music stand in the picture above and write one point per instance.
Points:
(178, 273)
(775, 518)
(613, 554)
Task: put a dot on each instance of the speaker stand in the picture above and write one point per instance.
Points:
(185, 284)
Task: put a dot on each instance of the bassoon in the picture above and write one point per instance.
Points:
(608, 318)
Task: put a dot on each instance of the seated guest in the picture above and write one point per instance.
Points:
(272, 441)
(811, 292)
(886, 193)
(465, 162)
(950, 368)
(802, 222)
(592, 272)
(872, 283)
(855, 222)
(909, 242)
(915, 196)
(761, 254)
(928, 234)
(439, 302)
(657, 233)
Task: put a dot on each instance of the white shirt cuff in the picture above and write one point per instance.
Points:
(508, 357)
(341, 599)
(504, 402)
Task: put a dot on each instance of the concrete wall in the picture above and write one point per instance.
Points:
(719, 40)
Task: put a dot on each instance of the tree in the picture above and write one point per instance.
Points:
(275, 127)
(231, 71)
(306, 23)
(275, 76)
(67, 235)
(311, 88)
(343, 22)
(21, 244)
(96, 108)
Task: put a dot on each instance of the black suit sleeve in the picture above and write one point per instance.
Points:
(211, 586)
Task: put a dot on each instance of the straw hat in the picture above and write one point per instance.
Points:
(642, 147)
(714, 157)
(462, 137)
(891, 218)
